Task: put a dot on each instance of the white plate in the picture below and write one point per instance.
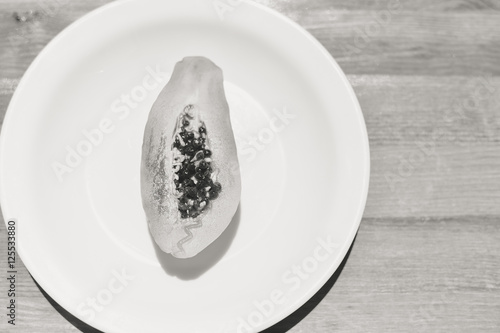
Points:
(82, 231)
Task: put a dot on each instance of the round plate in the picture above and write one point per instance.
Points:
(70, 158)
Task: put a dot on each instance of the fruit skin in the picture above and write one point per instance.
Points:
(198, 82)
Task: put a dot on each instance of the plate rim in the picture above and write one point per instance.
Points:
(334, 264)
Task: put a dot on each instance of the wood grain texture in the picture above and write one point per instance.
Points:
(427, 75)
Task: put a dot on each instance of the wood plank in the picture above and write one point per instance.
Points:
(429, 156)
(411, 43)
(304, 6)
(454, 181)
(432, 43)
(414, 275)
(402, 110)
(453, 37)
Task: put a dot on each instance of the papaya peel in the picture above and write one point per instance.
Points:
(189, 189)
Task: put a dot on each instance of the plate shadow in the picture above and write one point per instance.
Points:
(192, 268)
(82, 326)
(296, 317)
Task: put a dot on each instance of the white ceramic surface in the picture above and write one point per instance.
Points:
(70, 156)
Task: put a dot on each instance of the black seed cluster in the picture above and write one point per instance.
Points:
(194, 181)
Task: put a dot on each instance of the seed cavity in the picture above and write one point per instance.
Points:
(194, 176)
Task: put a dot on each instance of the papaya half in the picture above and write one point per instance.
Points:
(190, 190)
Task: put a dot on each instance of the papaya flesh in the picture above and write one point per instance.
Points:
(190, 185)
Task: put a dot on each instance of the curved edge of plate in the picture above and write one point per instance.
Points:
(6, 211)
(366, 151)
(367, 165)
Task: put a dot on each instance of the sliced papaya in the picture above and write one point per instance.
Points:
(190, 185)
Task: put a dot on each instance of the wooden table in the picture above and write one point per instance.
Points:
(427, 75)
